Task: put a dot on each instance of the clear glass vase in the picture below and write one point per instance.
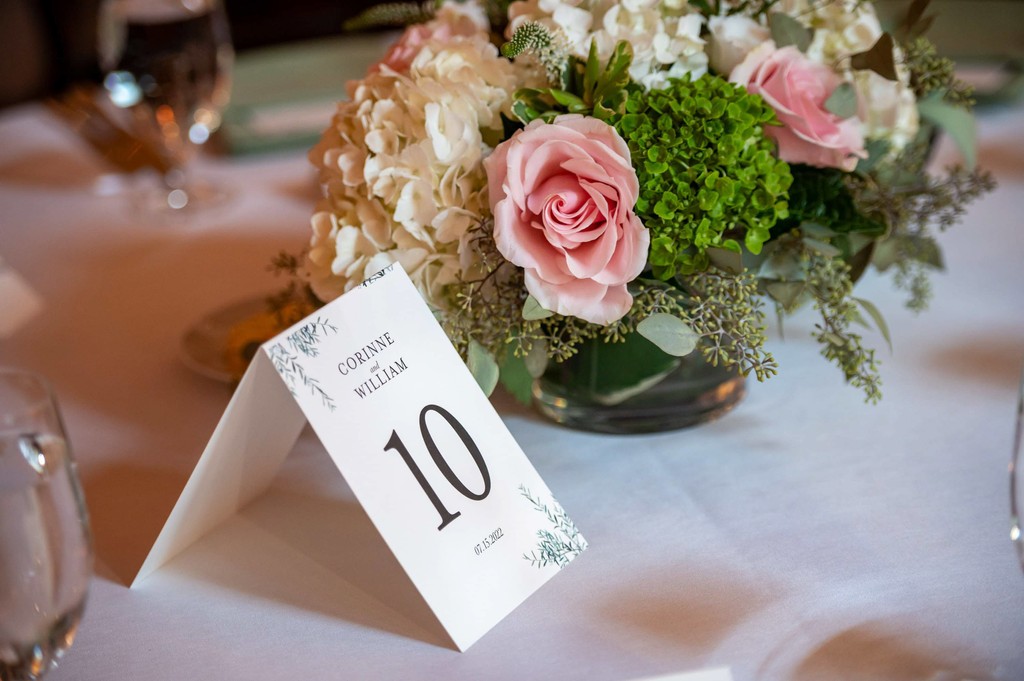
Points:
(634, 387)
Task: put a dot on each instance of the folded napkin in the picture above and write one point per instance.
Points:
(18, 301)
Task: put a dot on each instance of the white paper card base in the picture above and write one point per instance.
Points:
(444, 482)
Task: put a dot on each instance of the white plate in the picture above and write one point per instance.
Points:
(204, 343)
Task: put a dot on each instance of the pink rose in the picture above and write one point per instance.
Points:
(452, 20)
(797, 88)
(562, 195)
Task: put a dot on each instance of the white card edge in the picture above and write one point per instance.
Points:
(169, 543)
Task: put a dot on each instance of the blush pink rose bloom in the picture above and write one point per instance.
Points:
(797, 88)
(562, 195)
(450, 23)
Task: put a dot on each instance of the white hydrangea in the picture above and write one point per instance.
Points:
(665, 34)
(731, 40)
(401, 168)
(887, 109)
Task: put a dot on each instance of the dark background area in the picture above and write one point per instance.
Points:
(45, 45)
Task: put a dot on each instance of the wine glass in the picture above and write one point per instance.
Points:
(169, 62)
(1017, 477)
(45, 545)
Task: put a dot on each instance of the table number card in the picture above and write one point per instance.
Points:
(458, 503)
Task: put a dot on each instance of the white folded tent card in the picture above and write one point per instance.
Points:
(437, 472)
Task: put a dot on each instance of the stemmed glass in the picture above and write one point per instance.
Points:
(1017, 477)
(45, 545)
(169, 62)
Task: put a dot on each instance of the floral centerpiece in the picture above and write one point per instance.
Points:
(601, 198)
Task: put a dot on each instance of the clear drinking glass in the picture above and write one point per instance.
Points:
(169, 63)
(1017, 477)
(45, 545)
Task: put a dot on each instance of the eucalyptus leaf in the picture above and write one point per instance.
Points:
(925, 250)
(483, 367)
(536, 359)
(878, 59)
(858, 242)
(533, 310)
(822, 248)
(877, 150)
(816, 231)
(670, 333)
(786, 293)
(783, 266)
(726, 259)
(843, 101)
(788, 31)
(517, 379)
(958, 122)
(876, 316)
(886, 254)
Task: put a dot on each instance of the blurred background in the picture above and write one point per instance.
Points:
(47, 45)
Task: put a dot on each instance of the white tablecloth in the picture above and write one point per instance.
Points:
(805, 536)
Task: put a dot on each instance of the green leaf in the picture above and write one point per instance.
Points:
(483, 367)
(614, 372)
(537, 358)
(566, 98)
(878, 59)
(524, 112)
(877, 150)
(786, 293)
(782, 265)
(616, 73)
(813, 229)
(915, 23)
(886, 254)
(517, 379)
(788, 31)
(956, 121)
(822, 248)
(915, 12)
(843, 101)
(592, 71)
(670, 333)
(877, 317)
(727, 259)
(533, 310)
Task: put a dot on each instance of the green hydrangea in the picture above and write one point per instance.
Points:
(708, 174)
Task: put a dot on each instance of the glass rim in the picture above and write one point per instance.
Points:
(10, 417)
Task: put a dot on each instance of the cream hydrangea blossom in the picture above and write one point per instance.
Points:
(401, 168)
(664, 34)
